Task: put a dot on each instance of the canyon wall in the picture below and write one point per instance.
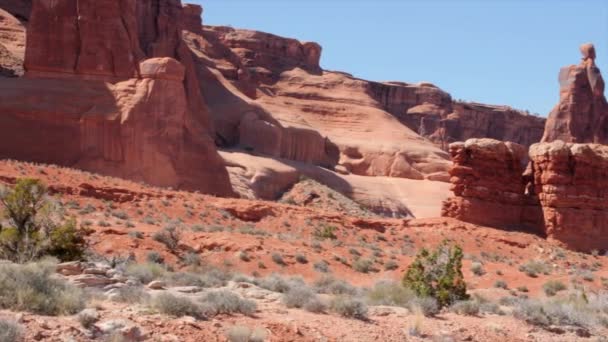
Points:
(111, 89)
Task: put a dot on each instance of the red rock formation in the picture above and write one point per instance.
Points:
(19, 8)
(488, 185)
(149, 123)
(582, 113)
(571, 181)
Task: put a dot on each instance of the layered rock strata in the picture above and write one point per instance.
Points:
(488, 185)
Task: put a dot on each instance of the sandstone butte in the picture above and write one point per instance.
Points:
(261, 100)
(558, 187)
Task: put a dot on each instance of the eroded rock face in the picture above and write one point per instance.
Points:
(488, 186)
(97, 102)
(12, 45)
(571, 181)
(582, 113)
(87, 39)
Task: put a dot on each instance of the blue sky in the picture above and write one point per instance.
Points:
(497, 52)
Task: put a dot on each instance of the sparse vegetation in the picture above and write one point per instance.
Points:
(10, 331)
(226, 302)
(35, 226)
(33, 288)
(477, 269)
(438, 275)
(535, 267)
(326, 232)
(552, 287)
(278, 259)
(245, 334)
(349, 307)
(501, 284)
(177, 306)
(170, 236)
(303, 297)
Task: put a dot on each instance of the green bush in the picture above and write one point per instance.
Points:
(34, 226)
(327, 232)
(33, 288)
(438, 275)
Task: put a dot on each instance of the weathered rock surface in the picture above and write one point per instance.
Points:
(488, 185)
(12, 45)
(581, 115)
(571, 183)
(97, 103)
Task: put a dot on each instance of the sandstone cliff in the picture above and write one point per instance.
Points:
(96, 102)
(571, 183)
(488, 185)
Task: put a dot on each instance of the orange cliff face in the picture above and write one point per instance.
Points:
(97, 103)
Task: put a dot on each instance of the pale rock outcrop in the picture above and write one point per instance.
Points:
(581, 116)
(571, 181)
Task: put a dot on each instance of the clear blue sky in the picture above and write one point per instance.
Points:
(498, 52)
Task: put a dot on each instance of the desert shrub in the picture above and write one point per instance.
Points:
(155, 258)
(10, 331)
(391, 265)
(326, 232)
(33, 288)
(87, 318)
(321, 266)
(501, 284)
(277, 283)
(278, 259)
(226, 302)
(363, 265)
(136, 235)
(130, 294)
(390, 293)
(426, 306)
(466, 307)
(552, 287)
(522, 289)
(438, 275)
(178, 306)
(192, 259)
(244, 256)
(245, 334)
(349, 307)
(535, 267)
(301, 297)
(145, 273)
(581, 311)
(301, 258)
(477, 269)
(35, 226)
(331, 285)
(315, 305)
(169, 236)
(204, 277)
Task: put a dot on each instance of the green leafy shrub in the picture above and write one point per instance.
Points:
(35, 226)
(438, 275)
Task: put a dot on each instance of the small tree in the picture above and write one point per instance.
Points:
(438, 274)
(31, 227)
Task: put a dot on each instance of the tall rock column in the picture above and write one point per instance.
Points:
(582, 113)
